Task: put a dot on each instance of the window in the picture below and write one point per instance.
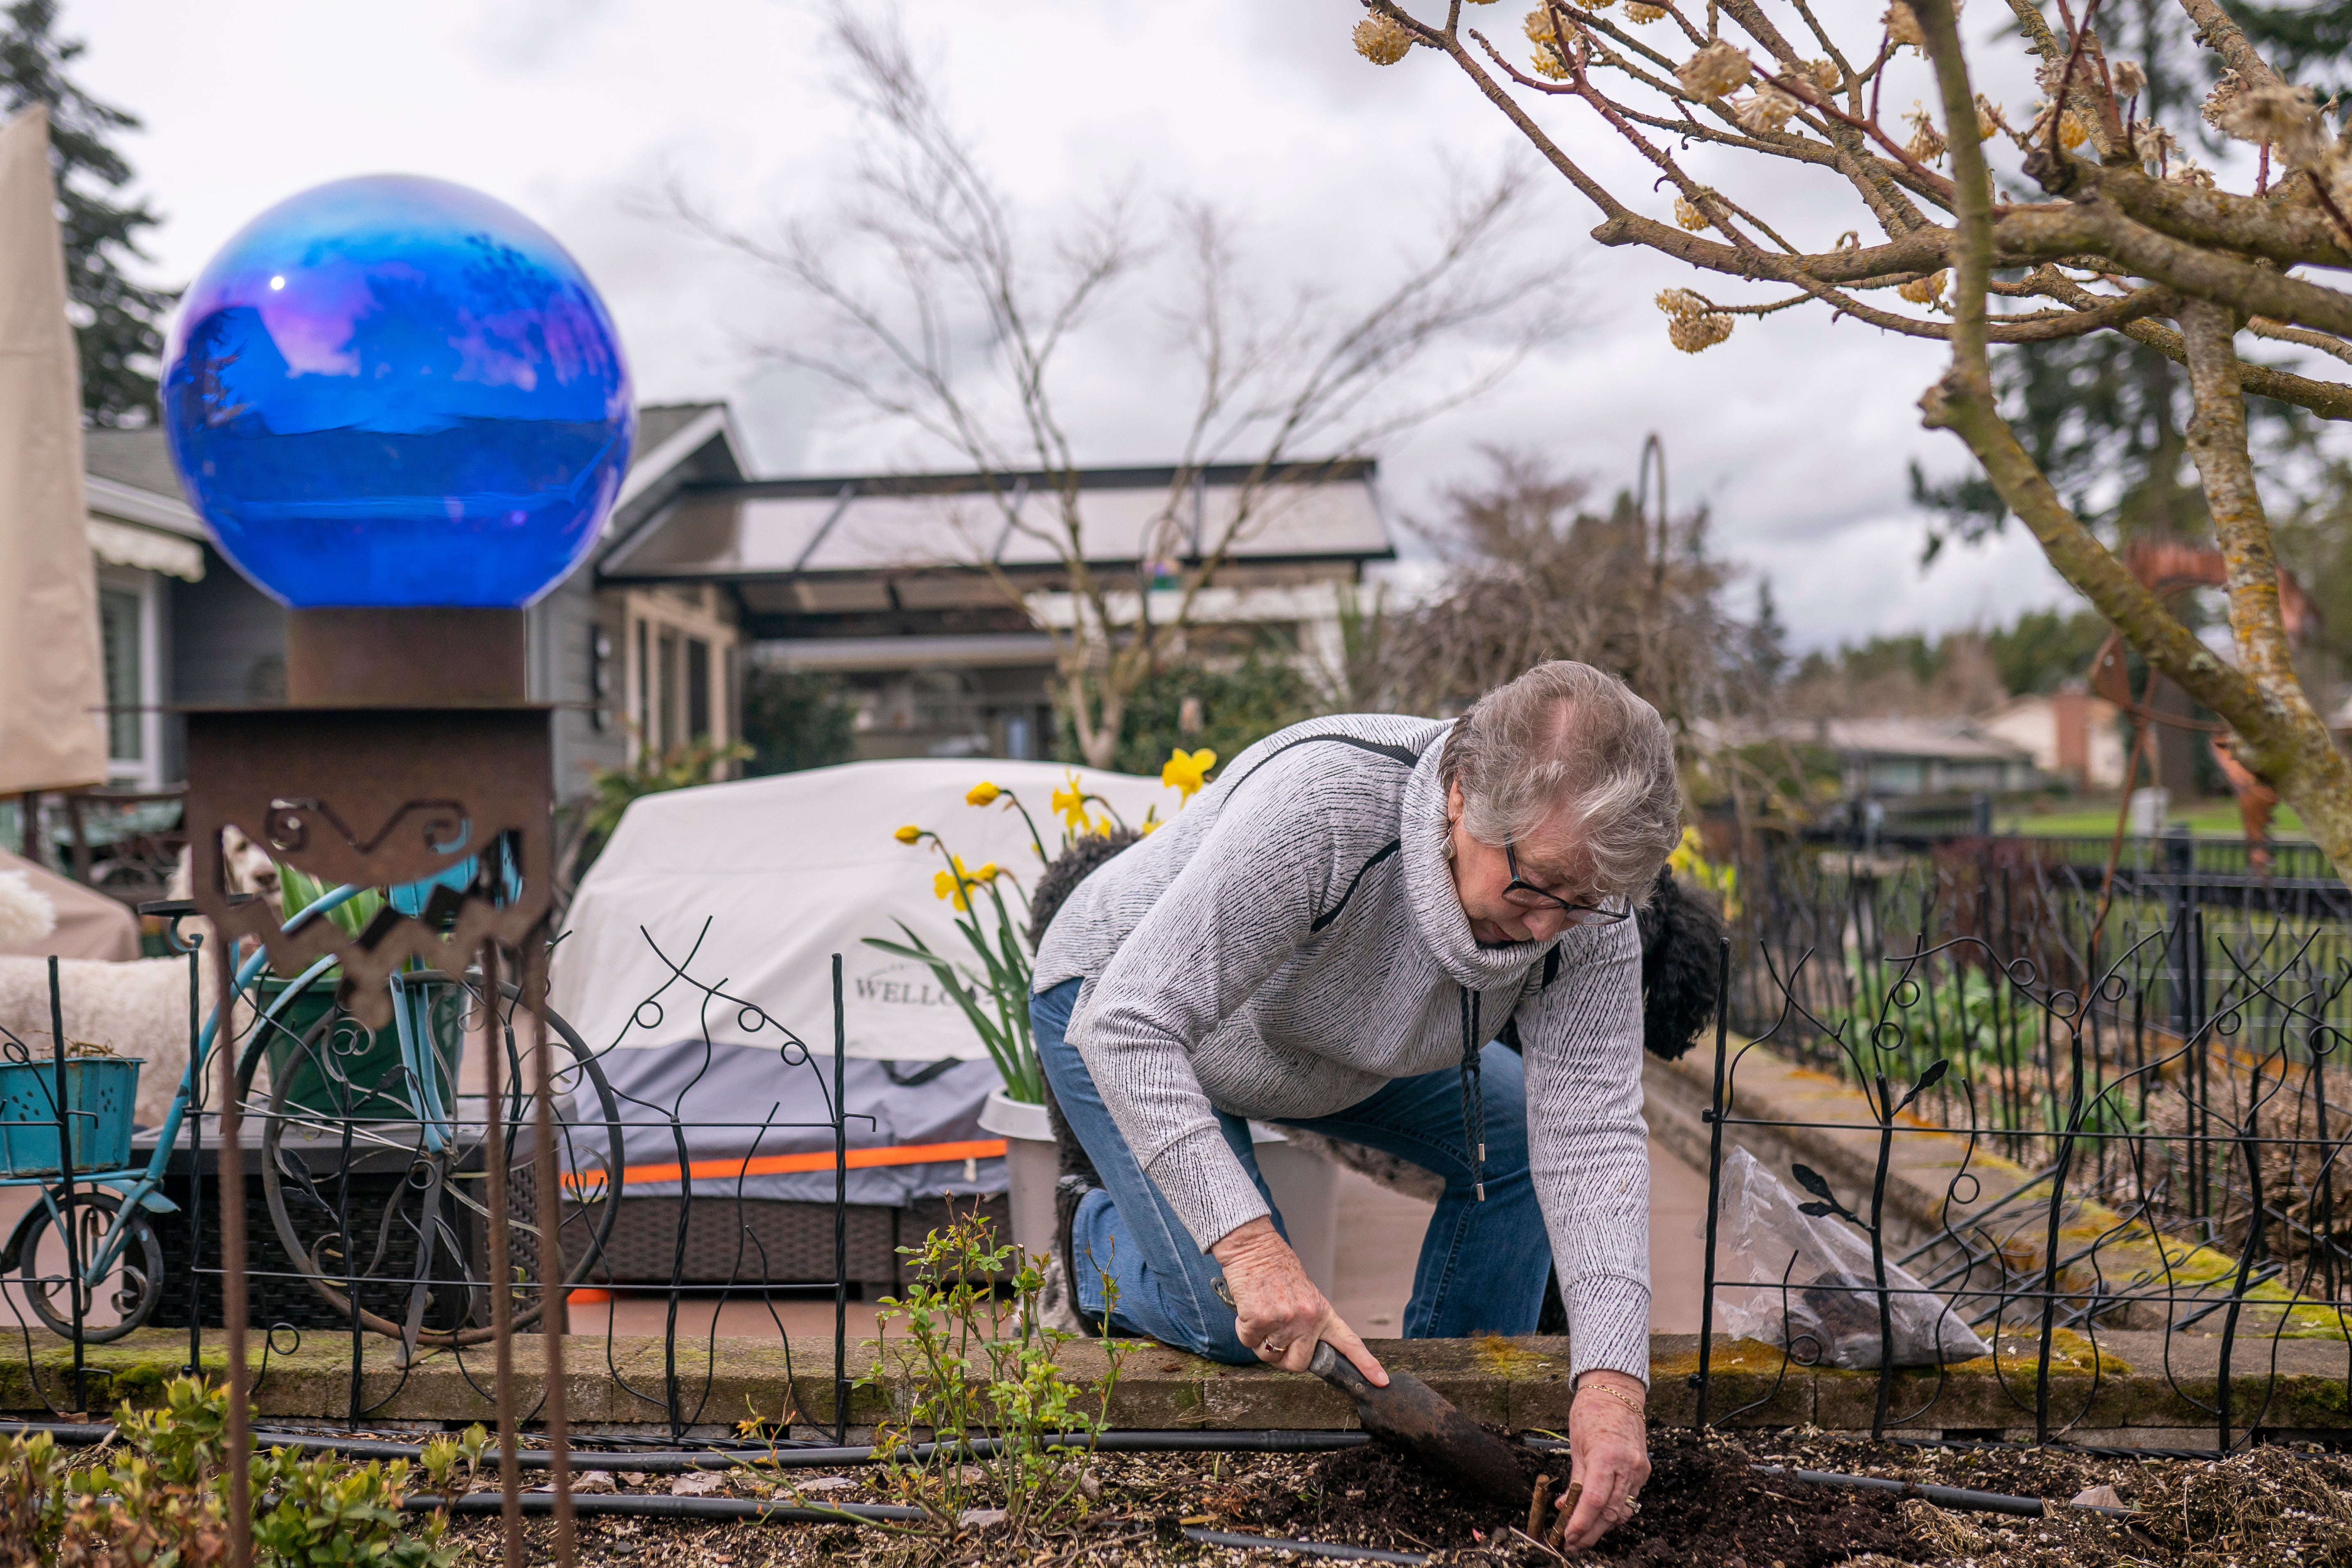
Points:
(122, 614)
(600, 676)
(644, 692)
(697, 689)
(682, 686)
(668, 727)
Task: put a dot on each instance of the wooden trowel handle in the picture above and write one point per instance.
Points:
(1339, 1372)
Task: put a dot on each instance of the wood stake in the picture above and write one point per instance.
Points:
(1567, 1512)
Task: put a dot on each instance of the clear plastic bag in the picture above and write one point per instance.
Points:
(1807, 1282)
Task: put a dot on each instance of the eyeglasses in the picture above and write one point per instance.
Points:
(1528, 896)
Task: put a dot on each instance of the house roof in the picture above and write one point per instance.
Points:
(1954, 741)
(137, 458)
(657, 422)
(887, 524)
(1950, 740)
(128, 472)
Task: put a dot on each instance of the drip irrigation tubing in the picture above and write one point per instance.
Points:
(1270, 1440)
(1961, 1498)
(539, 1504)
(679, 1461)
(1949, 1497)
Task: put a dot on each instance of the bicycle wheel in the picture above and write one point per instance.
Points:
(123, 1299)
(434, 1204)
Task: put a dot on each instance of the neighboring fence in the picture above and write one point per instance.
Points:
(2139, 1084)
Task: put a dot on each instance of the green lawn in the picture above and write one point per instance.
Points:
(2206, 819)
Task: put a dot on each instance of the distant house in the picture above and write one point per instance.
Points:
(871, 578)
(629, 664)
(898, 584)
(1880, 757)
(2073, 735)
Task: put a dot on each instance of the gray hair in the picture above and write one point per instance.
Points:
(1567, 735)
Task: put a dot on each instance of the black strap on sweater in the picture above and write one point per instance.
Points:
(1402, 754)
(1474, 1085)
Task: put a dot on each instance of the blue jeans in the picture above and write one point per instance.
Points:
(1483, 1264)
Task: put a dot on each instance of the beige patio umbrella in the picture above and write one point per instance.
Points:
(52, 683)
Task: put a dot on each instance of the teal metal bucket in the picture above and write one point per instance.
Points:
(100, 1094)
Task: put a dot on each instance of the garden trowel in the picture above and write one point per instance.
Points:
(1410, 1416)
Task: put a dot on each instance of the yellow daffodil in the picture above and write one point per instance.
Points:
(1149, 827)
(982, 794)
(1070, 805)
(953, 884)
(1188, 771)
(1103, 827)
(1688, 856)
(1689, 859)
(908, 834)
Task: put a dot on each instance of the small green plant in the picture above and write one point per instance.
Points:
(979, 1363)
(443, 1457)
(159, 1499)
(297, 890)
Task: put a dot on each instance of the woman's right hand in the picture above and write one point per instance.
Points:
(1277, 1310)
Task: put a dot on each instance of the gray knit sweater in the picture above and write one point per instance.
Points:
(1256, 956)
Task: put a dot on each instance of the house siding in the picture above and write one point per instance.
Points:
(227, 642)
(562, 631)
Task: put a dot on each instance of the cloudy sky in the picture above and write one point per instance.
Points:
(1797, 434)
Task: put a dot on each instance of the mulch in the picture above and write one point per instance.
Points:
(1705, 1505)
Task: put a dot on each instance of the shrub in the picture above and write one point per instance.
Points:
(980, 1365)
(1192, 705)
(795, 719)
(162, 1498)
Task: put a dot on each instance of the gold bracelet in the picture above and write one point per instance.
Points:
(1619, 1394)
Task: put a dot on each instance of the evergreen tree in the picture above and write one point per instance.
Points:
(117, 320)
(2104, 416)
(2308, 42)
(1767, 639)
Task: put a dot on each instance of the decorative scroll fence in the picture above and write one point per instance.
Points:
(373, 1161)
(2141, 1082)
(2140, 1087)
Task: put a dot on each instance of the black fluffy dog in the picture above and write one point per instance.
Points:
(1682, 934)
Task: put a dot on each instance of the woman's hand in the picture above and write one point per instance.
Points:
(1277, 1310)
(1609, 1451)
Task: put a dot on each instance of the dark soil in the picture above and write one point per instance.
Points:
(1705, 1505)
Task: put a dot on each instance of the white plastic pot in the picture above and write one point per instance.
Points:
(1305, 1186)
(1030, 1167)
(1305, 1189)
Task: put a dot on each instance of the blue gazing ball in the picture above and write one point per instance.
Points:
(392, 391)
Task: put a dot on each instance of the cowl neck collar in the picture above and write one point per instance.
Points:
(1437, 914)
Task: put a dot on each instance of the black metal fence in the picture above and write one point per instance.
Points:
(387, 1170)
(2133, 1088)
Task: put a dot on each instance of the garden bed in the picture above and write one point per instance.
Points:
(1705, 1505)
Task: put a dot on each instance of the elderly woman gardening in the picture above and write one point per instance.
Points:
(1331, 937)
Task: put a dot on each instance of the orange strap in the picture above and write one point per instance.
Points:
(785, 1164)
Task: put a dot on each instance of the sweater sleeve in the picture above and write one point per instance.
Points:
(1588, 1147)
(1242, 904)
